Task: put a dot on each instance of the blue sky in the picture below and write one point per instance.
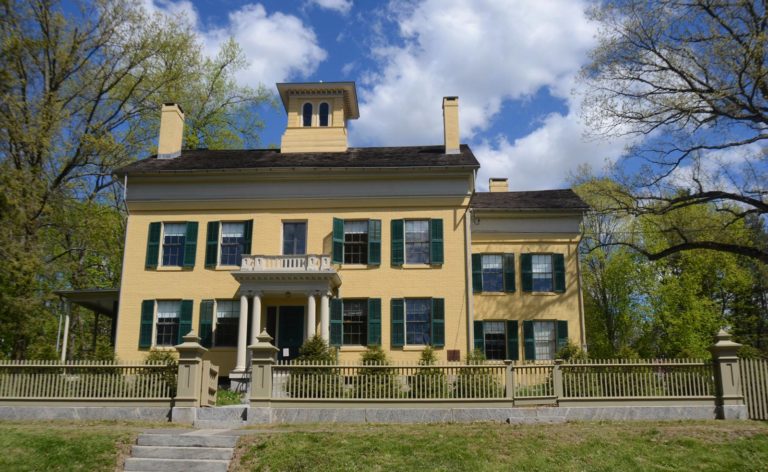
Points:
(512, 63)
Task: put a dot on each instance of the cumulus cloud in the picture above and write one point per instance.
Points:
(277, 46)
(341, 6)
(487, 52)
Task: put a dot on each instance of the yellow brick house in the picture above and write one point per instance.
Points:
(382, 245)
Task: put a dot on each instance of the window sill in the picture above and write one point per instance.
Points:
(416, 347)
(544, 294)
(358, 266)
(171, 269)
(494, 294)
(163, 348)
(421, 266)
(353, 349)
(227, 267)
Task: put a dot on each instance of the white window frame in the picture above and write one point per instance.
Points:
(161, 252)
(156, 317)
(221, 238)
(282, 236)
(215, 321)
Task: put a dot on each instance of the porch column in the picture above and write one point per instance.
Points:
(242, 334)
(325, 325)
(256, 321)
(311, 318)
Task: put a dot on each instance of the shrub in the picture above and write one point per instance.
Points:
(429, 383)
(169, 370)
(380, 382)
(315, 382)
(477, 382)
(571, 351)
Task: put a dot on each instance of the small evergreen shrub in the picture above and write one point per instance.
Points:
(170, 371)
(477, 382)
(429, 382)
(571, 351)
(315, 382)
(381, 382)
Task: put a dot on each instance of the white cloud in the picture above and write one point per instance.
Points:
(341, 6)
(277, 46)
(487, 52)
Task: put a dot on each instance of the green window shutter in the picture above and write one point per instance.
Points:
(147, 320)
(247, 237)
(562, 334)
(185, 321)
(477, 273)
(509, 272)
(338, 241)
(530, 345)
(212, 245)
(436, 243)
(513, 345)
(337, 321)
(206, 323)
(398, 322)
(438, 322)
(479, 336)
(190, 244)
(527, 272)
(374, 242)
(153, 246)
(374, 321)
(558, 267)
(398, 245)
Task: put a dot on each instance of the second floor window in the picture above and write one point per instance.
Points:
(173, 243)
(541, 269)
(356, 242)
(232, 239)
(493, 267)
(167, 329)
(417, 241)
(294, 238)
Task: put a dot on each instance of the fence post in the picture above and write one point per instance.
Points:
(189, 379)
(557, 379)
(263, 357)
(509, 379)
(730, 399)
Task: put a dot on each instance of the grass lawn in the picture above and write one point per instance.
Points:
(625, 446)
(66, 445)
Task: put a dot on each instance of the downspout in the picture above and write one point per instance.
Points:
(116, 319)
(468, 267)
(581, 297)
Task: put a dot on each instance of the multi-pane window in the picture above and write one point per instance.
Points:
(418, 321)
(227, 320)
(494, 333)
(355, 322)
(324, 114)
(417, 241)
(173, 243)
(294, 238)
(168, 314)
(544, 339)
(493, 273)
(306, 115)
(541, 271)
(232, 240)
(356, 242)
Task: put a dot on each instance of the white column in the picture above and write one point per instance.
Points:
(256, 321)
(311, 318)
(325, 323)
(242, 334)
(65, 338)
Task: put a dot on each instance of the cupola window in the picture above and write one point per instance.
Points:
(307, 115)
(324, 112)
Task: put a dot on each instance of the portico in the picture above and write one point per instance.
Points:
(309, 279)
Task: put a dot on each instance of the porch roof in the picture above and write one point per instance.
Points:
(99, 300)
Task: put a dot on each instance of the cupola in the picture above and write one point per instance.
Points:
(317, 115)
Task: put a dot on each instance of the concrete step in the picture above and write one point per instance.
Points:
(223, 413)
(216, 424)
(175, 465)
(171, 452)
(186, 440)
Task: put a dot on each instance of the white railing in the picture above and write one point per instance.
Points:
(302, 263)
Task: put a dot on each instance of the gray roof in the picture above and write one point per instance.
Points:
(370, 157)
(536, 200)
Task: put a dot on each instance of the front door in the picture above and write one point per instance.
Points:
(290, 331)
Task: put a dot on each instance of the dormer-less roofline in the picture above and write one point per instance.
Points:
(348, 89)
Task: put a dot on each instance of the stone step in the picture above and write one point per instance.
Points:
(232, 413)
(176, 452)
(175, 465)
(219, 424)
(186, 440)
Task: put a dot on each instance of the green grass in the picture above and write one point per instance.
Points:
(66, 446)
(625, 446)
(227, 397)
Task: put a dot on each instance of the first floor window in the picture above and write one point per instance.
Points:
(227, 321)
(494, 333)
(232, 240)
(168, 314)
(418, 321)
(417, 241)
(493, 273)
(294, 238)
(355, 322)
(544, 338)
(173, 243)
(541, 270)
(356, 242)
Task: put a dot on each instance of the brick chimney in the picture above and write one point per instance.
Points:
(498, 184)
(451, 124)
(171, 131)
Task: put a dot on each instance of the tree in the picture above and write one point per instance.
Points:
(81, 89)
(685, 81)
